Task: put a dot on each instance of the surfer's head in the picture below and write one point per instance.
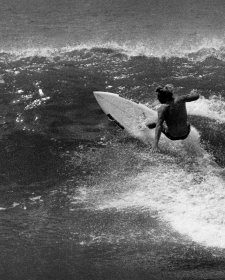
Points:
(164, 95)
(169, 87)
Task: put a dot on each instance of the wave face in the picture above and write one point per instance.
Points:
(84, 182)
(49, 78)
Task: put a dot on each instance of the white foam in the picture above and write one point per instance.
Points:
(213, 108)
(200, 213)
(180, 48)
(193, 203)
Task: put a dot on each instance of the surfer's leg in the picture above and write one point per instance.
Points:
(164, 130)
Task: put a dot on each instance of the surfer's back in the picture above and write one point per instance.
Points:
(176, 109)
(174, 112)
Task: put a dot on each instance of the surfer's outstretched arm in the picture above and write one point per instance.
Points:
(192, 96)
(158, 129)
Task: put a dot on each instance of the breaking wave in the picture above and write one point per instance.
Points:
(196, 52)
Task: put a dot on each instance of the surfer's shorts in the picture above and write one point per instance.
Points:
(165, 132)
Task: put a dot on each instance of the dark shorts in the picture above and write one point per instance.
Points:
(164, 131)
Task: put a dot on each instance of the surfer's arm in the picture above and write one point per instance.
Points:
(192, 96)
(158, 129)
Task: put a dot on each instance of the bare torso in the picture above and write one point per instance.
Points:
(172, 118)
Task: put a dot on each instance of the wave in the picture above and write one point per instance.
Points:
(134, 78)
(206, 48)
(51, 99)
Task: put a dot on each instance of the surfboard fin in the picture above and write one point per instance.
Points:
(151, 125)
(115, 121)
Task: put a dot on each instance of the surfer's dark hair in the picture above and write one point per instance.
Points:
(164, 95)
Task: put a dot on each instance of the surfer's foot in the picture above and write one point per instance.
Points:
(151, 125)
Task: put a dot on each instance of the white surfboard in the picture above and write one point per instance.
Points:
(127, 114)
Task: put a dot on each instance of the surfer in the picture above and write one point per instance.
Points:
(172, 115)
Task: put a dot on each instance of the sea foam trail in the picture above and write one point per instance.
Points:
(182, 184)
(190, 201)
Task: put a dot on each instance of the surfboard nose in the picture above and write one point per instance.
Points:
(104, 93)
(96, 93)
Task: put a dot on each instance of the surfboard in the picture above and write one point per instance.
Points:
(127, 114)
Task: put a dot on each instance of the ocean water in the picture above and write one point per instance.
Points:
(80, 198)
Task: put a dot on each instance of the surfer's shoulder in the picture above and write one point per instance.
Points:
(162, 110)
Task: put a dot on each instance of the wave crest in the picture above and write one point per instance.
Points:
(183, 48)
